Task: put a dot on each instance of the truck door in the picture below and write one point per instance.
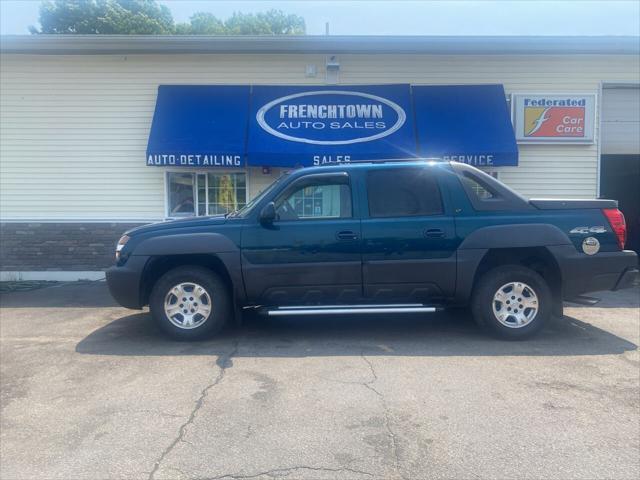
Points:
(409, 247)
(311, 253)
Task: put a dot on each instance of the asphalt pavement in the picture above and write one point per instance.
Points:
(90, 390)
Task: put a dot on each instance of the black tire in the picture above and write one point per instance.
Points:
(482, 301)
(220, 308)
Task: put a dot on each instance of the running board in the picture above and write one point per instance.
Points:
(351, 309)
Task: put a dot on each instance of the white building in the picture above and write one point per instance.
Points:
(77, 114)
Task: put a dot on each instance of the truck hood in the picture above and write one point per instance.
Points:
(181, 223)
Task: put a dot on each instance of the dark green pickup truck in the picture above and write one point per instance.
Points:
(378, 237)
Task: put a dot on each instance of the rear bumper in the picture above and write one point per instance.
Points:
(125, 282)
(604, 271)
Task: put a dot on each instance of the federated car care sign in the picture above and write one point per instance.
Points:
(554, 118)
(323, 125)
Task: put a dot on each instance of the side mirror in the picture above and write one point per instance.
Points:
(268, 213)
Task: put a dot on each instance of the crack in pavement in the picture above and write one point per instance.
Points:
(223, 362)
(387, 414)
(286, 471)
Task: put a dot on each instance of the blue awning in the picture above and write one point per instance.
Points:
(288, 126)
(199, 126)
(320, 124)
(465, 123)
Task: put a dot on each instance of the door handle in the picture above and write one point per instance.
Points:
(434, 233)
(346, 235)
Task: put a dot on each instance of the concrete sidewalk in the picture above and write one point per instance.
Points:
(91, 390)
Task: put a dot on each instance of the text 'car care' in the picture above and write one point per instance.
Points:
(548, 118)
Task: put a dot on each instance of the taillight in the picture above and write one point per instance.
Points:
(618, 225)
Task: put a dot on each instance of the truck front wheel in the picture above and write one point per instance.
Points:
(512, 302)
(190, 303)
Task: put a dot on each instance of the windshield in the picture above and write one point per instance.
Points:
(244, 211)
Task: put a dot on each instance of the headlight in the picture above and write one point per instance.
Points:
(121, 243)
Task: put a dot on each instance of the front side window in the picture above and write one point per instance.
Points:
(324, 198)
(205, 193)
(403, 192)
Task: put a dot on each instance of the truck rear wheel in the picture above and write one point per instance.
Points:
(512, 302)
(190, 303)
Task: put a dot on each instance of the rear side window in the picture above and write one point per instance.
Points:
(403, 192)
(473, 186)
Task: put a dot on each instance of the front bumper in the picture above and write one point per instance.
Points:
(125, 282)
(604, 271)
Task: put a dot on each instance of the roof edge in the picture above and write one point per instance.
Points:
(334, 44)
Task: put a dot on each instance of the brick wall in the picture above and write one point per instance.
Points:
(59, 246)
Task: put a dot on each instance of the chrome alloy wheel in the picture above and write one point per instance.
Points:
(515, 305)
(187, 305)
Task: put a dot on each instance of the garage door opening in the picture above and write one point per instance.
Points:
(620, 179)
(620, 159)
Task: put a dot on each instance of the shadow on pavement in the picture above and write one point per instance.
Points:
(95, 294)
(446, 334)
(627, 298)
(62, 295)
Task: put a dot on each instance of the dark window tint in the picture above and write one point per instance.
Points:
(403, 192)
(474, 187)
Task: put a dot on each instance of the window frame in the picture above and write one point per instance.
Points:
(506, 198)
(434, 175)
(167, 214)
(292, 188)
(497, 202)
(195, 173)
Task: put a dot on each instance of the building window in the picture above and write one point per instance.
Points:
(212, 193)
(226, 193)
(180, 195)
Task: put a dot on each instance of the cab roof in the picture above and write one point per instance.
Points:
(374, 164)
